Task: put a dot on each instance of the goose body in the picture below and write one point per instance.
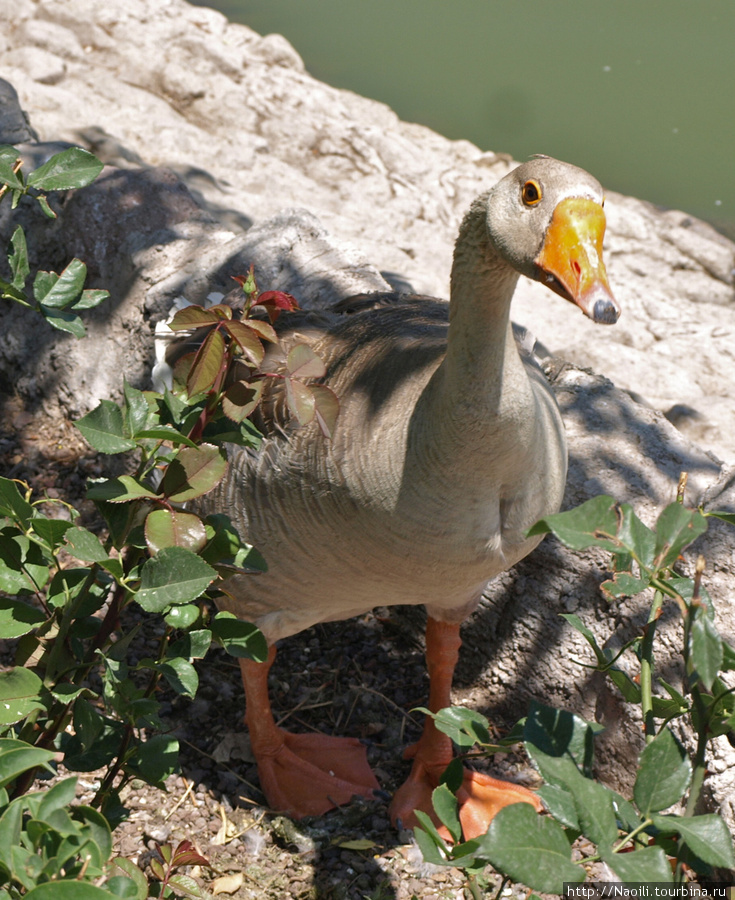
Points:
(418, 508)
(448, 447)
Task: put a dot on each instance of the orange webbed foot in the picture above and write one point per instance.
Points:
(480, 798)
(309, 774)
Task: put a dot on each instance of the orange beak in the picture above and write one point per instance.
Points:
(570, 261)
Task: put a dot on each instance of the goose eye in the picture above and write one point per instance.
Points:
(531, 193)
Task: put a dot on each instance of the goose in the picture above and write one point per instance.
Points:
(448, 446)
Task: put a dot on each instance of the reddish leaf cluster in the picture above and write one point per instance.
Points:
(228, 338)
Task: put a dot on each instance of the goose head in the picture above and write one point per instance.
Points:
(545, 219)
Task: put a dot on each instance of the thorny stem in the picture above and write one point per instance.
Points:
(649, 724)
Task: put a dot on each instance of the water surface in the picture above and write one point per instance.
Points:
(640, 92)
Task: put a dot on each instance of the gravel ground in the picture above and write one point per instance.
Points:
(360, 678)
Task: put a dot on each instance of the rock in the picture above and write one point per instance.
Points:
(250, 133)
(14, 127)
(226, 153)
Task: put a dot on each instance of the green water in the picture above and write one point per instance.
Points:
(640, 92)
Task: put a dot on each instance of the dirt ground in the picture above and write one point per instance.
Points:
(360, 678)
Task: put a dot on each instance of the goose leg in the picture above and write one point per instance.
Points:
(480, 796)
(300, 774)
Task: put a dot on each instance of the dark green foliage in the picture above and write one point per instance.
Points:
(635, 838)
(151, 553)
(57, 297)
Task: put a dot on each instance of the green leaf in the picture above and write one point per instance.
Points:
(10, 831)
(51, 531)
(120, 490)
(173, 577)
(193, 645)
(648, 864)
(23, 566)
(465, 727)
(636, 537)
(707, 836)
(723, 516)
(430, 842)
(57, 796)
(594, 804)
(17, 757)
(560, 803)
(186, 885)
(623, 584)
(705, 648)
(181, 675)
(62, 291)
(67, 890)
(18, 618)
(556, 733)
(445, 806)
(172, 528)
(68, 585)
(518, 835)
(19, 694)
(676, 528)
(18, 259)
(8, 292)
(182, 616)
(90, 299)
(156, 759)
(103, 429)
(12, 502)
(72, 168)
(194, 472)
(124, 888)
(588, 525)
(136, 411)
(63, 320)
(165, 433)
(664, 774)
(7, 175)
(134, 873)
(45, 206)
(84, 545)
(240, 639)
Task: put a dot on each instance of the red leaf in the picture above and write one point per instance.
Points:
(300, 401)
(262, 329)
(207, 363)
(247, 340)
(279, 299)
(302, 362)
(193, 317)
(275, 302)
(186, 855)
(222, 310)
(172, 528)
(194, 472)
